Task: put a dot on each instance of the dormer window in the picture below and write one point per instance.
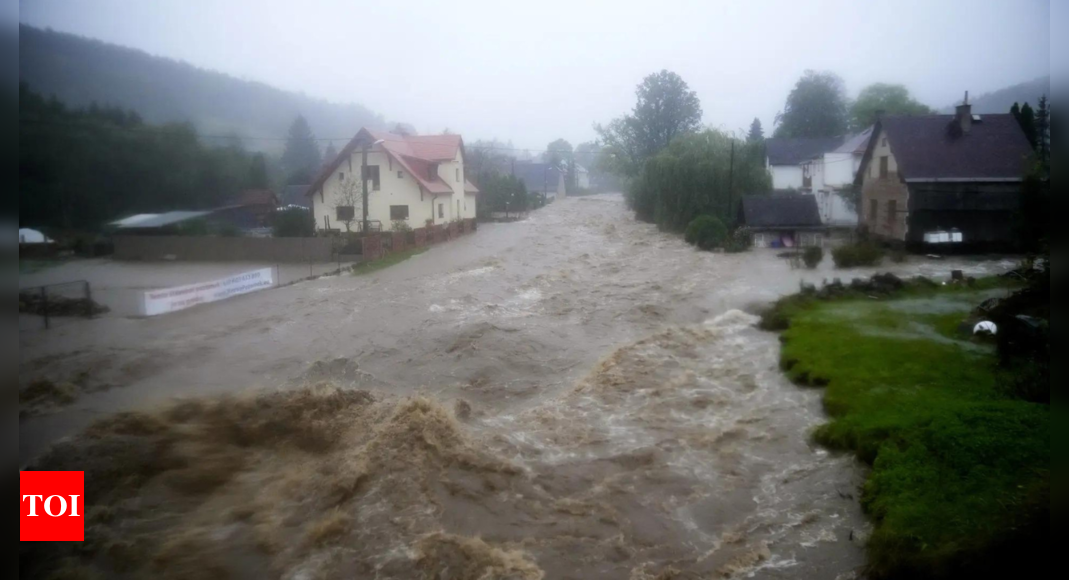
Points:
(432, 171)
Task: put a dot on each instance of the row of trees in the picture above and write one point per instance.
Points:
(817, 106)
(79, 169)
(501, 193)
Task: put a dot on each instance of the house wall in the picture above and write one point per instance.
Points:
(786, 176)
(396, 187)
(984, 213)
(882, 191)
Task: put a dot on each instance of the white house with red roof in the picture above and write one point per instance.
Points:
(417, 179)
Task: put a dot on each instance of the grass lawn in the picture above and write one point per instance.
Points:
(386, 262)
(960, 471)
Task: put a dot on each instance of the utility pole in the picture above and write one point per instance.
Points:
(731, 183)
(363, 180)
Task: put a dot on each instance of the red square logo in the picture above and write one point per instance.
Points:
(53, 506)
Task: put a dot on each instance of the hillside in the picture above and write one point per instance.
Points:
(79, 71)
(1001, 100)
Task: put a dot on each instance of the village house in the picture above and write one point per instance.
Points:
(414, 179)
(541, 178)
(784, 159)
(830, 178)
(782, 220)
(932, 174)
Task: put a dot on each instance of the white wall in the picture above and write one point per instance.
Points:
(396, 187)
(786, 176)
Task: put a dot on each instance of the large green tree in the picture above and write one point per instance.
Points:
(665, 108)
(883, 98)
(697, 175)
(558, 152)
(816, 107)
(301, 155)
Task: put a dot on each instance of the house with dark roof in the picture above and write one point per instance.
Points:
(784, 158)
(416, 179)
(782, 220)
(957, 173)
(541, 178)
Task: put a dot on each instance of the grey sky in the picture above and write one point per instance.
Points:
(536, 71)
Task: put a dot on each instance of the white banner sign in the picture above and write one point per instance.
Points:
(181, 297)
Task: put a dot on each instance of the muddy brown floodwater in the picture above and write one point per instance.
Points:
(609, 375)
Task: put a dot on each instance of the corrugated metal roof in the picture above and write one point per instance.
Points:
(780, 211)
(128, 221)
(163, 219)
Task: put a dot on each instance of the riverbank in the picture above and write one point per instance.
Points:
(959, 485)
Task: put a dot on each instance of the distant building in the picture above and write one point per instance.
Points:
(411, 178)
(542, 178)
(784, 159)
(249, 210)
(783, 220)
(936, 173)
(582, 177)
(830, 176)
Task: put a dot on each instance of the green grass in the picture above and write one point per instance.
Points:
(960, 472)
(390, 260)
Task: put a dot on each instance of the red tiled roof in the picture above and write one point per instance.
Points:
(414, 153)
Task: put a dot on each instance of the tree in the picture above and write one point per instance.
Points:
(1043, 133)
(665, 108)
(557, 152)
(695, 176)
(350, 196)
(1027, 119)
(330, 153)
(257, 172)
(886, 98)
(302, 152)
(816, 107)
(586, 154)
(757, 133)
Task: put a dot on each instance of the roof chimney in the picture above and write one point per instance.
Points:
(963, 115)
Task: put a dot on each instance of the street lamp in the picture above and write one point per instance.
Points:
(363, 178)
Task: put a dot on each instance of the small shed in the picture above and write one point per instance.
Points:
(783, 220)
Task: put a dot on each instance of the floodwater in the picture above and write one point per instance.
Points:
(613, 369)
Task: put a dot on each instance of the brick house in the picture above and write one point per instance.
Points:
(922, 174)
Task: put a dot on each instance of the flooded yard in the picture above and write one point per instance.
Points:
(576, 395)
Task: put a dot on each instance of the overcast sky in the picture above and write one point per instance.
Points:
(544, 69)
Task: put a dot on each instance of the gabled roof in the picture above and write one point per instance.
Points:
(780, 211)
(415, 153)
(855, 145)
(925, 149)
(794, 151)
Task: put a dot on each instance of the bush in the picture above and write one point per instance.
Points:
(292, 223)
(858, 254)
(706, 232)
(739, 240)
(400, 226)
(812, 256)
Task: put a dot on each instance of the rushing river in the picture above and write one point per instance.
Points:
(613, 369)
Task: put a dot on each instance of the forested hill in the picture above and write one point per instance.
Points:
(81, 71)
(1001, 100)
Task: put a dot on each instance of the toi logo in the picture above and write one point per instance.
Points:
(52, 506)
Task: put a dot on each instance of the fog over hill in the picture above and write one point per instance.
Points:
(1001, 100)
(80, 71)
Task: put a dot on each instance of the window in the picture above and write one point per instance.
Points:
(441, 211)
(341, 176)
(344, 213)
(883, 141)
(432, 171)
(883, 167)
(398, 212)
(872, 211)
(458, 175)
(892, 207)
(400, 175)
(373, 176)
(458, 208)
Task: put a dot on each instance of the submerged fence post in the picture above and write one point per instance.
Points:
(88, 300)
